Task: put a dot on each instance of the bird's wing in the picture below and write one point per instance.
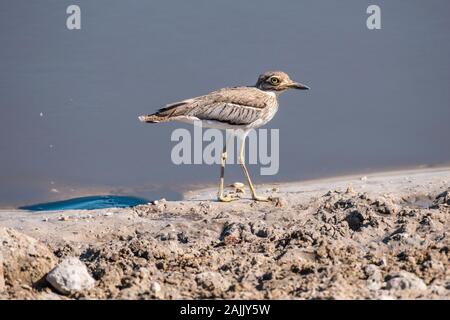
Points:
(235, 114)
(237, 106)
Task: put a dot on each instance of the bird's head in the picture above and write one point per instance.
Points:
(277, 81)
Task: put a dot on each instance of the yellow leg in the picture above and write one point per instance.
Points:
(247, 176)
(223, 159)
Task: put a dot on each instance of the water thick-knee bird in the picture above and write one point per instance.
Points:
(237, 108)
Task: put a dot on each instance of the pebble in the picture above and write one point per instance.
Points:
(155, 287)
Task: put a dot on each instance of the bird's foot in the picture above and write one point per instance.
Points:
(259, 198)
(227, 198)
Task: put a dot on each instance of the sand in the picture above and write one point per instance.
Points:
(380, 236)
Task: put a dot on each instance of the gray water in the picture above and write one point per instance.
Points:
(379, 99)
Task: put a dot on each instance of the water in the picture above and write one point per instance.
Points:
(88, 203)
(69, 100)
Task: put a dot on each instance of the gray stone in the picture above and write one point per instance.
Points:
(405, 281)
(70, 276)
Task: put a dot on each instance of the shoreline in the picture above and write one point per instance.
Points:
(332, 181)
(186, 191)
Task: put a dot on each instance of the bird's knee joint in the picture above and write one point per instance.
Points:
(224, 156)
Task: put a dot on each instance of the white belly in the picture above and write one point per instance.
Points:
(266, 117)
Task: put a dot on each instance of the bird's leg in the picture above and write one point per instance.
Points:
(223, 160)
(241, 160)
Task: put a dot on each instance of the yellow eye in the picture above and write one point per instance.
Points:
(275, 81)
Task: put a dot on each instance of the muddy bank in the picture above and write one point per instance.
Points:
(383, 236)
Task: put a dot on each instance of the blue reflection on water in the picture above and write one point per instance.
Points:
(88, 203)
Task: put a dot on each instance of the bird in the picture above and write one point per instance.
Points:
(238, 108)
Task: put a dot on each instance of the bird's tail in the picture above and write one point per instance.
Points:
(171, 112)
(153, 118)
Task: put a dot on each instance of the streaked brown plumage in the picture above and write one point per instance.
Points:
(234, 106)
(242, 108)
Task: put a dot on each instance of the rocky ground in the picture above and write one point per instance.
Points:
(383, 236)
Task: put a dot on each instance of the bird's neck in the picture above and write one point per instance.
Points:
(274, 94)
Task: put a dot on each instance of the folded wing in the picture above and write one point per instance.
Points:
(236, 106)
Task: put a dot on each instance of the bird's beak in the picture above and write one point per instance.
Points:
(299, 86)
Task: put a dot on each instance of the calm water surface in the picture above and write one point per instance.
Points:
(69, 100)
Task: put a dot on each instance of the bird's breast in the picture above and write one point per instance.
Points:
(266, 114)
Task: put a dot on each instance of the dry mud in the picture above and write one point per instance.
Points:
(383, 236)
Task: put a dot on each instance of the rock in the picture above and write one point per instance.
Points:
(155, 287)
(70, 276)
(405, 281)
(23, 260)
(156, 290)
